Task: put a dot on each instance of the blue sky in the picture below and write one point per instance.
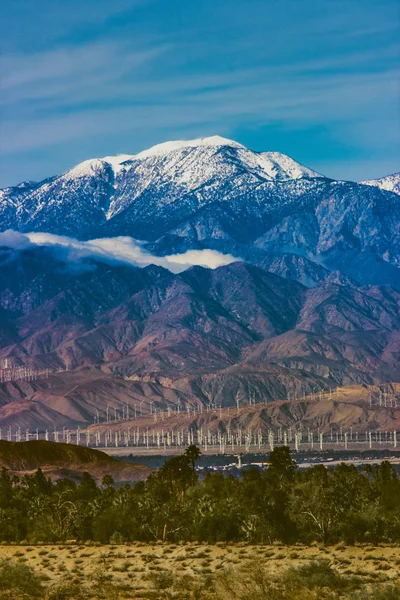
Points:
(315, 79)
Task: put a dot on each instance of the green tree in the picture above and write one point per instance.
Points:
(280, 477)
(281, 467)
(176, 475)
(6, 491)
(311, 506)
(87, 489)
(193, 454)
(107, 481)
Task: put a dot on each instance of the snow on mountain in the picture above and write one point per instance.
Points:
(117, 162)
(271, 165)
(279, 166)
(391, 183)
(167, 147)
(198, 172)
(87, 168)
(173, 177)
(91, 167)
(188, 195)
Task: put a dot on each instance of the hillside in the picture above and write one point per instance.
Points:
(294, 284)
(59, 460)
(216, 193)
(115, 336)
(347, 408)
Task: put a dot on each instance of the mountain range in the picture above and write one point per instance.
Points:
(312, 301)
(264, 208)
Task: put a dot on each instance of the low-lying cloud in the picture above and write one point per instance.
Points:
(14, 239)
(118, 249)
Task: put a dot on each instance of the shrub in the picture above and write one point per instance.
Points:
(162, 580)
(386, 592)
(21, 579)
(67, 591)
(315, 574)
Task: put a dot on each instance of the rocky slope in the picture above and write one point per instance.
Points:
(390, 183)
(339, 409)
(314, 300)
(213, 191)
(115, 335)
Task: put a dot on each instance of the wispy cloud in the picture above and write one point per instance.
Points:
(116, 250)
(200, 108)
(23, 25)
(57, 69)
(142, 79)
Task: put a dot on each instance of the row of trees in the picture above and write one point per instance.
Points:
(280, 503)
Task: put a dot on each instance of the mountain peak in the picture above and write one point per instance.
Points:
(167, 147)
(84, 169)
(390, 183)
(273, 165)
(281, 166)
(93, 165)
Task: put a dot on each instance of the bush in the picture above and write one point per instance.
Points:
(67, 591)
(162, 580)
(21, 579)
(315, 574)
(385, 592)
(314, 581)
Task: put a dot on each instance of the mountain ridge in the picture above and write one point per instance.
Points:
(119, 334)
(312, 302)
(179, 195)
(390, 183)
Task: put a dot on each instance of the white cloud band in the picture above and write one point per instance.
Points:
(117, 249)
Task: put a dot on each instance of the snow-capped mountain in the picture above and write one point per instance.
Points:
(302, 316)
(187, 174)
(216, 193)
(391, 183)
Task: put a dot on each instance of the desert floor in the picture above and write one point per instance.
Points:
(134, 566)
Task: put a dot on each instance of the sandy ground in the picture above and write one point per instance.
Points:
(131, 564)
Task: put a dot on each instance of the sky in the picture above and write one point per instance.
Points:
(317, 80)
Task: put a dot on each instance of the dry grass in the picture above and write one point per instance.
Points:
(137, 567)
